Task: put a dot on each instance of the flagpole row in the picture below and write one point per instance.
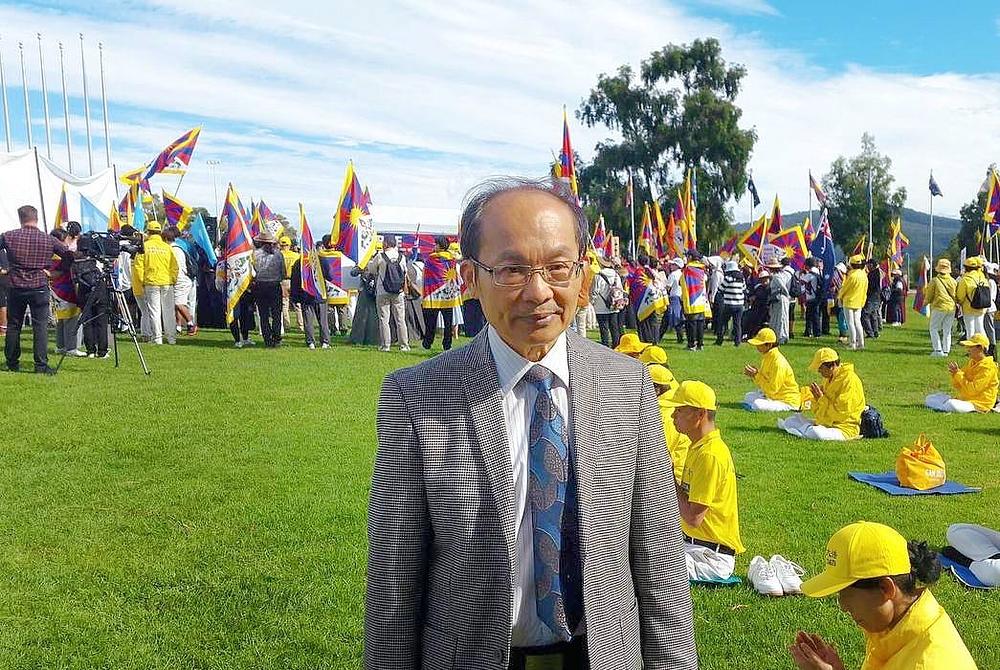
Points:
(104, 104)
(86, 107)
(27, 104)
(69, 135)
(3, 99)
(45, 99)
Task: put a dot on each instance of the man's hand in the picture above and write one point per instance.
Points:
(750, 371)
(953, 367)
(816, 390)
(811, 652)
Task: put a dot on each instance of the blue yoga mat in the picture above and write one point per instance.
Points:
(732, 580)
(887, 481)
(962, 574)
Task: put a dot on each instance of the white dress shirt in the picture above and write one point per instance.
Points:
(518, 400)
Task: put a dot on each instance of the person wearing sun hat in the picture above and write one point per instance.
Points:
(706, 492)
(654, 355)
(852, 295)
(881, 582)
(972, 278)
(631, 345)
(939, 295)
(666, 385)
(837, 403)
(976, 382)
(778, 390)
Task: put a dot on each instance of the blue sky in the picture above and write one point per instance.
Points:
(428, 98)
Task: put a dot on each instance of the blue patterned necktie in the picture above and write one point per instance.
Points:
(550, 492)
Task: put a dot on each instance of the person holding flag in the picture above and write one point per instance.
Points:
(694, 300)
(441, 293)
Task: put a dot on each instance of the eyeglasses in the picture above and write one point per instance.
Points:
(557, 273)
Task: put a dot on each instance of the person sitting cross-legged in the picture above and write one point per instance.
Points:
(778, 390)
(837, 403)
(677, 444)
(976, 382)
(707, 490)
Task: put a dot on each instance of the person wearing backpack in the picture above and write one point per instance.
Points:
(390, 294)
(973, 295)
(939, 294)
(607, 295)
(836, 403)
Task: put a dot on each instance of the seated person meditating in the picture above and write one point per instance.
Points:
(837, 403)
(881, 581)
(677, 444)
(975, 383)
(778, 390)
(707, 491)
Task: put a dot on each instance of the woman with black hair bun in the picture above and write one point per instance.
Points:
(881, 581)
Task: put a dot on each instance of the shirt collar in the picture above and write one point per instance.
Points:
(710, 437)
(511, 366)
(921, 616)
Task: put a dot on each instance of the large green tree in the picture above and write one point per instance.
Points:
(679, 112)
(972, 223)
(846, 186)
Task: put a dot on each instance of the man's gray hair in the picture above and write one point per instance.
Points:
(480, 195)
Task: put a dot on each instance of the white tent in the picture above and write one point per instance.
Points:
(432, 221)
(25, 179)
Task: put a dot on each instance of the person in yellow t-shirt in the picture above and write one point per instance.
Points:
(631, 345)
(881, 581)
(677, 444)
(837, 403)
(778, 390)
(852, 295)
(706, 493)
(976, 382)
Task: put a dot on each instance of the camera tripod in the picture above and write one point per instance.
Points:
(118, 314)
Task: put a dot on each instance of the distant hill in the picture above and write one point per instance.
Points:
(916, 226)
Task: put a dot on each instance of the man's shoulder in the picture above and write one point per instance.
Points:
(446, 366)
(607, 362)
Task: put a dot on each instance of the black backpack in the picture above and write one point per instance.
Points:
(394, 278)
(190, 264)
(871, 423)
(980, 298)
(794, 287)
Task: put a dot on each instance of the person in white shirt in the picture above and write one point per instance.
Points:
(606, 285)
(182, 288)
(388, 262)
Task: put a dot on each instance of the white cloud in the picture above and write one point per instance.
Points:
(427, 99)
(744, 6)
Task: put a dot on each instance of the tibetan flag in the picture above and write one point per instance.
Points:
(62, 210)
(751, 242)
(694, 294)
(114, 220)
(265, 213)
(176, 211)
(681, 221)
(601, 239)
(133, 177)
(175, 158)
(199, 233)
(127, 203)
(991, 214)
(918, 298)
(353, 232)
(256, 225)
(335, 268)
(643, 294)
(441, 288)
(793, 242)
(565, 169)
(691, 206)
(646, 241)
(817, 189)
(860, 248)
(729, 246)
(239, 253)
(92, 219)
(808, 231)
(310, 269)
(774, 227)
(662, 242)
(366, 201)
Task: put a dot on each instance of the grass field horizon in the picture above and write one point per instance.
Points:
(213, 515)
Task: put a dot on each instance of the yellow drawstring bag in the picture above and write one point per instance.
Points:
(920, 466)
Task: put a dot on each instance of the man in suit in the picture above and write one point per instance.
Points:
(528, 520)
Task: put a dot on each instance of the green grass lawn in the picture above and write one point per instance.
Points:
(212, 515)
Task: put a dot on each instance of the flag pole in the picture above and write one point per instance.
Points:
(45, 99)
(86, 107)
(27, 105)
(69, 136)
(104, 104)
(3, 97)
(631, 203)
(810, 199)
(932, 220)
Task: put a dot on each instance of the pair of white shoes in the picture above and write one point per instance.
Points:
(775, 577)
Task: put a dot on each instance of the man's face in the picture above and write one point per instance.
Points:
(687, 419)
(526, 228)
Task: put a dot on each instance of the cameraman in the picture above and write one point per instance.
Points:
(92, 291)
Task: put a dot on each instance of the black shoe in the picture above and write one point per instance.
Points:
(13, 367)
(45, 370)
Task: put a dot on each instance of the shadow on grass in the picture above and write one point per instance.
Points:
(989, 432)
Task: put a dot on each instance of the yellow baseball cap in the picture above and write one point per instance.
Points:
(855, 259)
(764, 336)
(974, 262)
(977, 340)
(653, 354)
(693, 393)
(630, 344)
(823, 355)
(153, 227)
(859, 551)
(662, 376)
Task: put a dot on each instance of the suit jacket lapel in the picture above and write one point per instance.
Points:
(482, 392)
(586, 427)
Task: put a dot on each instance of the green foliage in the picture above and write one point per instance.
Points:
(972, 223)
(678, 112)
(846, 185)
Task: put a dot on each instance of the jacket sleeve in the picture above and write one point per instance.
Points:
(399, 539)
(961, 290)
(930, 291)
(768, 378)
(656, 550)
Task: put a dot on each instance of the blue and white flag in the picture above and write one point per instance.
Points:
(753, 191)
(92, 219)
(933, 186)
(200, 236)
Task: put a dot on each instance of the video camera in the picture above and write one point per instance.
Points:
(110, 244)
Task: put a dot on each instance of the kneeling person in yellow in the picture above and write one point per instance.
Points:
(677, 444)
(880, 580)
(778, 390)
(976, 382)
(707, 490)
(837, 404)
(631, 345)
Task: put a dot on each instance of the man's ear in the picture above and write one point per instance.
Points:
(468, 271)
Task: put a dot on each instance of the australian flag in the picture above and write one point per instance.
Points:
(753, 191)
(933, 186)
(822, 248)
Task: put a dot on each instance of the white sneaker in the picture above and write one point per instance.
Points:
(789, 574)
(762, 576)
(325, 346)
(239, 345)
(77, 353)
(312, 346)
(248, 342)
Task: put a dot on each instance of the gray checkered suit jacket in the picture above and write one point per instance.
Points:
(441, 524)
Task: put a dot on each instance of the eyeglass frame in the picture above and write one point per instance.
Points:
(577, 266)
